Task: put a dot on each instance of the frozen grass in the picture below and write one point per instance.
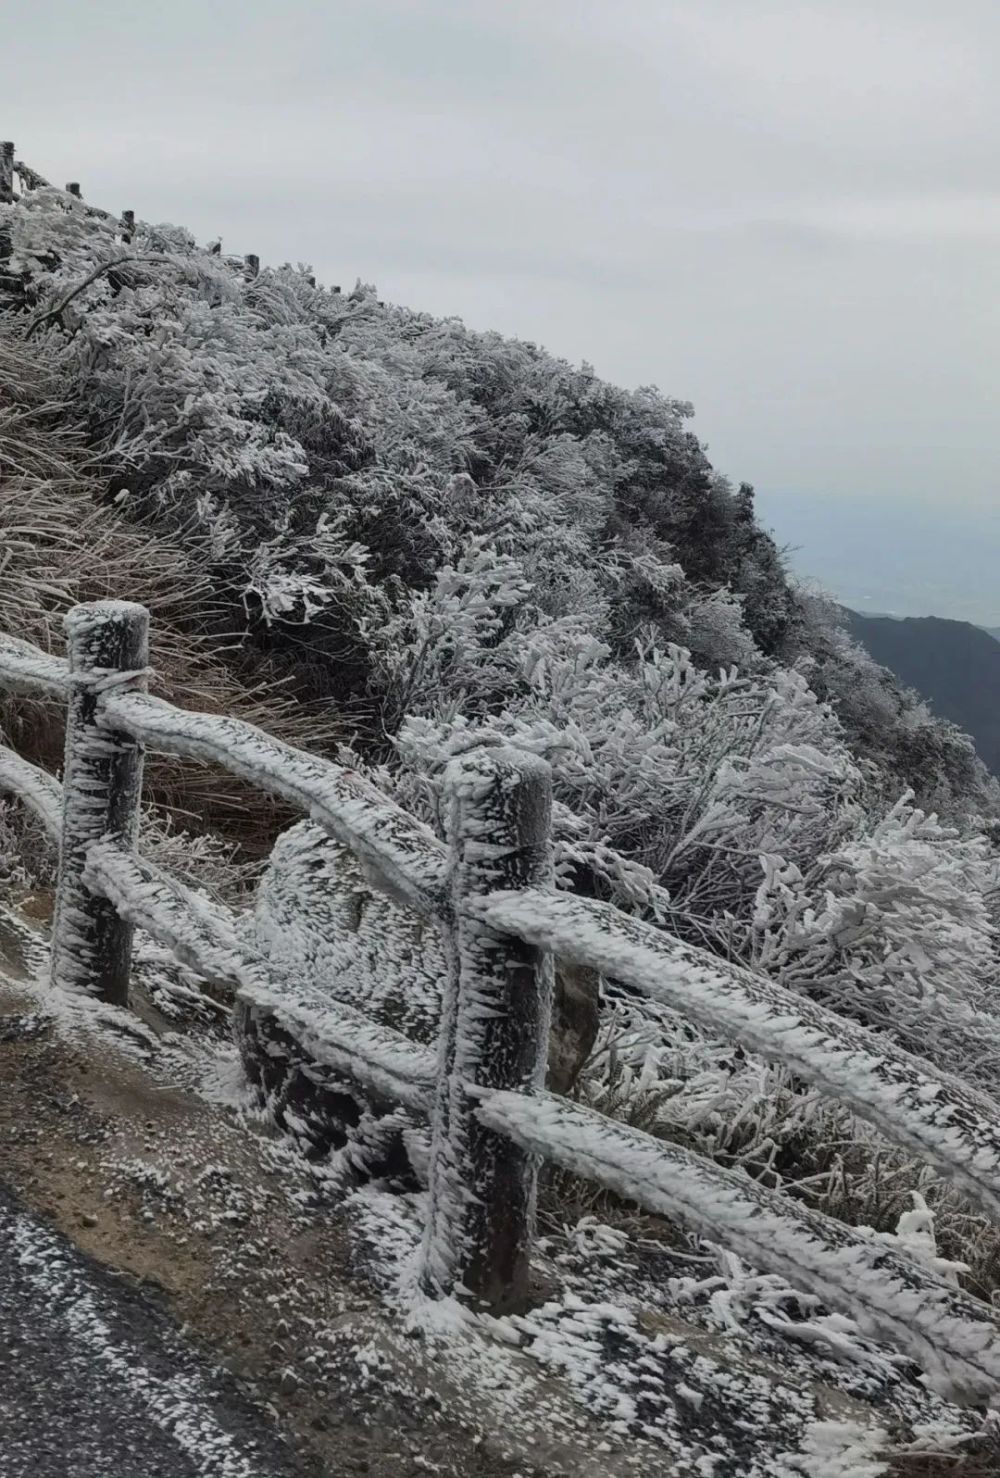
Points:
(62, 542)
(656, 1075)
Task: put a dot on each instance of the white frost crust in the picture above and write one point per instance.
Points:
(102, 788)
(180, 1404)
(203, 936)
(27, 669)
(401, 855)
(498, 800)
(843, 1449)
(318, 920)
(952, 1336)
(954, 1126)
(35, 787)
(91, 616)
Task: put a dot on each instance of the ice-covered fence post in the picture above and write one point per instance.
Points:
(102, 788)
(6, 172)
(128, 225)
(494, 1032)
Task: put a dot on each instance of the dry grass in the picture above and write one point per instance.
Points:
(821, 1156)
(61, 543)
(981, 1464)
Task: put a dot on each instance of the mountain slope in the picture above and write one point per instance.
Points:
(954, 665)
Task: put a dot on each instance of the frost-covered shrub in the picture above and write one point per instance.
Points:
(267, 412)
(333, 456)
(672, 781)
(895, 928)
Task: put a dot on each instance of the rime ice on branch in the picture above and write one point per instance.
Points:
(494, 1031)
(39, 791)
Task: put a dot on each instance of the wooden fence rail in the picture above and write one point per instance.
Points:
(489, 889)
(30, 179)
(12, 168)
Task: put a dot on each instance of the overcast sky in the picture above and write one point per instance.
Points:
(787, 213)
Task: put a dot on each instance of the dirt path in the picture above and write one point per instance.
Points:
(224, 1228)
(95, 1379)
(216, 1225)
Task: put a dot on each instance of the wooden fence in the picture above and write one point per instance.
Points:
(13, 169)
(489, 888)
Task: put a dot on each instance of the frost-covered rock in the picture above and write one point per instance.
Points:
(322, 924)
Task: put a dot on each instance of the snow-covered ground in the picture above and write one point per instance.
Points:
(96, 1380)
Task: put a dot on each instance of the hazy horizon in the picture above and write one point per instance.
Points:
(890, 560)
(788, 214)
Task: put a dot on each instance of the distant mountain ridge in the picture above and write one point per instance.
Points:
(953, 664)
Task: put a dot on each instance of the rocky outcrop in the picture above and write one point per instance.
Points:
(321, 923)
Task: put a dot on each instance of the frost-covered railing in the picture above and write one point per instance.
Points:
(12, 168)
(489, 888)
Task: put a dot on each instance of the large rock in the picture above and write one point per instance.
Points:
(321, 923)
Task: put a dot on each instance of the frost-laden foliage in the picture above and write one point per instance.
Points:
(341, 453)
(335, 456)
(896, 928)
(673, 782)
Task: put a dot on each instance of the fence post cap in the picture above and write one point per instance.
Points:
(496, 760)
(90, 614)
